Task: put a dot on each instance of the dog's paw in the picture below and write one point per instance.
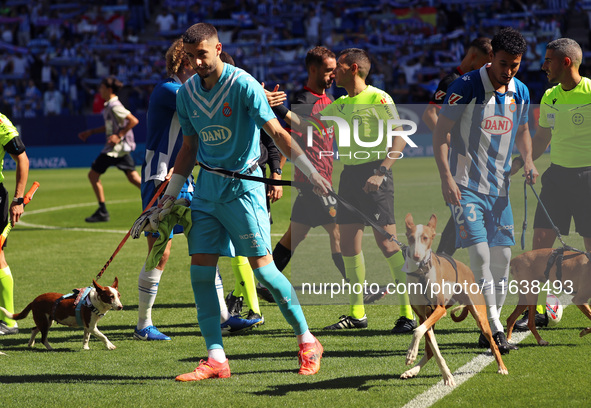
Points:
(543, 342)
(111, 346)
(449, 380)
(86, 347)
(410, 373)
(584, 332)
(503, 371)
(411, 356)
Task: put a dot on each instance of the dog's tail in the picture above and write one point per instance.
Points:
(17, 316)
(461, 316)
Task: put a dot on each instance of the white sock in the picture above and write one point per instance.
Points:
(217, 354)
(480, 265)
(219, 287)
(148, 289)
(306, 337)
(500, 258)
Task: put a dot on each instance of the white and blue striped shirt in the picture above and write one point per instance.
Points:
(483, 136)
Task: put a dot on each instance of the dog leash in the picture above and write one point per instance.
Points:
(126, 237)
(524, 226)
(305, 186)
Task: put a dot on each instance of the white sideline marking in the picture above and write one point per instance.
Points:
(465, 372)
(65, 207)
(461, 375)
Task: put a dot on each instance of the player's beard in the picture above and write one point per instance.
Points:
(205, 72)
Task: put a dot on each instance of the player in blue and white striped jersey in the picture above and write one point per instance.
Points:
(485, 112)
(163, 143)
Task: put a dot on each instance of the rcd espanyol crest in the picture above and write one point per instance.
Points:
(226, 110)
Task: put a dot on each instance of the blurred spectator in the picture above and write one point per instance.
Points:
(7, 33)
(24, 26)
(18, 108)
(19, 64)
(32, 93)
(53, 101)
(137, 15)
(29, 111)
(9, 92)
(312, 24)
(165, 20)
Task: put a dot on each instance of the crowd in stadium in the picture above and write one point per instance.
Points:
(55, 54)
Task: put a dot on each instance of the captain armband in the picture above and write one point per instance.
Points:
(15, 146)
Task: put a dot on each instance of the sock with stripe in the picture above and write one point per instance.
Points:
(147, 285)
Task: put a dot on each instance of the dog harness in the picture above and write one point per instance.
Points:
(556, 257)
(82, 299)
(425, 266)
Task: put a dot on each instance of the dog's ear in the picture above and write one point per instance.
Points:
(409, 221)
(115, 283)
(432, 222)
(96, 285)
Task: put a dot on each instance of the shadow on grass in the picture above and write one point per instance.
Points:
(76, 378)
(359, 383)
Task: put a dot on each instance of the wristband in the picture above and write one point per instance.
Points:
(175, 185)
(18, 201)
(304, 165)
(280, 111)
(520, 159)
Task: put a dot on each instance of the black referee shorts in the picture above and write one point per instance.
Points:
(378, 205)
(566, 194)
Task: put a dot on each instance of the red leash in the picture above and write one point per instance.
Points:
(126, 237)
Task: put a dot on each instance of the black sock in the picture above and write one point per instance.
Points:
(103, 207)
(281, 256)
(337, 258)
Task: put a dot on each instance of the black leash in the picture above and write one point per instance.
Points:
(304, 186)
(524, 227)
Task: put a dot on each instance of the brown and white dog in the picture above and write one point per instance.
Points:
(428, 272)
(531, 266)
(48, 308)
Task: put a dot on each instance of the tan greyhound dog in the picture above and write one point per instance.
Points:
(573, 271)
(426, 275)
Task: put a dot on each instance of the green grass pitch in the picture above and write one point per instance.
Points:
(57, 251)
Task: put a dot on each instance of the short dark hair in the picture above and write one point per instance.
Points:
(567, 47)
(113, 83)
(227, 58)
(482, 44)
(199, 32)
(317, 55)
(359, 57)
(509, 40)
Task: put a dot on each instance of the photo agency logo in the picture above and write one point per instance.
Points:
(362, 132)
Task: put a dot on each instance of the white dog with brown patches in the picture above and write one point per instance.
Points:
(50, 307)
(429, 274)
